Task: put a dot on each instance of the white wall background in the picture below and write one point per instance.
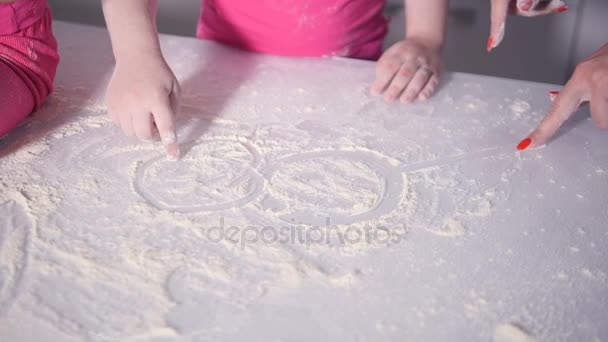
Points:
(540, 49)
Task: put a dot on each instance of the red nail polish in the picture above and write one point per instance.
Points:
(490, 43)
(562, 9)
(524, 144)
(553, 95)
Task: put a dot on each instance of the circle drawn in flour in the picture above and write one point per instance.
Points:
(345, 187)
(215, 175)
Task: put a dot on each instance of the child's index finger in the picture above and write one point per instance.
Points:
(172, 151)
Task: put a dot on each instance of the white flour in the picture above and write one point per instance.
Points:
(121, 215)
(511, 333)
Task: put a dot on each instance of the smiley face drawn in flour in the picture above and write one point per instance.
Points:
(215, 175)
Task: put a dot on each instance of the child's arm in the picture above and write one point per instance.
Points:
(143, 94)
(411, 68)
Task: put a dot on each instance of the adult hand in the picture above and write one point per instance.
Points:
(528, 8)
(589, 83)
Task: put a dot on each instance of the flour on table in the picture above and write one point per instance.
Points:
(234, 175)
(510, 332)
(118, 227)
(15, 230)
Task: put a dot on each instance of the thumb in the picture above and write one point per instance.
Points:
(498, 18)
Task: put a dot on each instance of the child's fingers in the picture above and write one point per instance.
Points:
(386, 68)
(400, 81)
(417, 83)
(126, 124)
(429, 88)
(599, 108)
(114, 116)
(163, 117)
(564, 105)
(143, 126)
(498, 18)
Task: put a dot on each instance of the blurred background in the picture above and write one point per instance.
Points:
(540, 49)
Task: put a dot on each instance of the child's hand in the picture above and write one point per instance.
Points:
(143, 97)
(409, 70)
(143, 94)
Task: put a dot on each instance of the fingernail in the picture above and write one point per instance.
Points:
(169, 139)
(173, 152)
(496, 38)
(553, 95)
(524, 144)
(562, 9)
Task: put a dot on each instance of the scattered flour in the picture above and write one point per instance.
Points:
(104, 225)
(519, 107)
(510, 332)
(234, 176)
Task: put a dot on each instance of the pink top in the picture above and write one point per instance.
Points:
(307, 28)
(21, 14)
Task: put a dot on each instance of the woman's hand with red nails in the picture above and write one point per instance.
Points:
(588, 83)
(409, 71)
(500, 9)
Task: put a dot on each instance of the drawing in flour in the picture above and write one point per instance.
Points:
(344, 186)
(215, 175)
(338, 187)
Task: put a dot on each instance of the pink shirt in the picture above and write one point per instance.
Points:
(307, 28)
(21, 14)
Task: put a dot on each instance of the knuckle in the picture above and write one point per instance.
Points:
(394, 90)
(388, 64)
(409, 95)
(406, 72)
(599, 78)
(158, 94)
(584, 69)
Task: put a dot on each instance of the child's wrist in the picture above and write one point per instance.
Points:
(138, 56)
(432, 43)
